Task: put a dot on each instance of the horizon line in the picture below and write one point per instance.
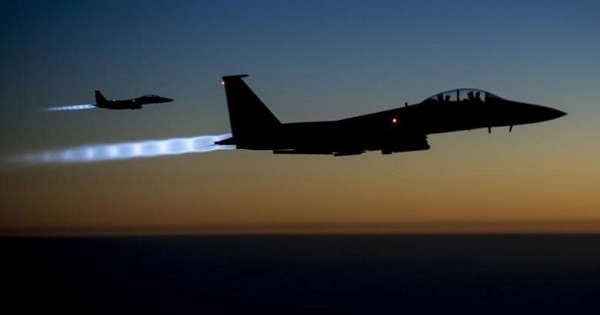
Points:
(407, 228)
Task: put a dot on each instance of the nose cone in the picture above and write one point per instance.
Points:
(529, 113)
(547, 113)
(559, 113)
(165, 100)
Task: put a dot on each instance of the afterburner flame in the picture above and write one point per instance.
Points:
(128, 150)
(70, 107)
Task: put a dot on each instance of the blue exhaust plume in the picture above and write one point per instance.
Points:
(70, 107)
(128, 150)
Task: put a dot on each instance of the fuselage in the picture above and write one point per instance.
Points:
(402, 129)
(134, 103)
(389, 128)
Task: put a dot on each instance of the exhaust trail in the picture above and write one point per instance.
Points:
(127, 150)
(70, 107)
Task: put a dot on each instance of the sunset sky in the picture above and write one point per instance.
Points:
(307, 60)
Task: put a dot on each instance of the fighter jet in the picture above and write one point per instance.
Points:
(254, 127)
(134, 103)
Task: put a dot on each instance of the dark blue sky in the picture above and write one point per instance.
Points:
(308, 60)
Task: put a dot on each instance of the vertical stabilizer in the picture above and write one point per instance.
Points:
(252, 123)
(100, 99)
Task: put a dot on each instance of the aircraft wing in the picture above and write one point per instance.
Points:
(393, 145)
(405, 144)
(321, 152)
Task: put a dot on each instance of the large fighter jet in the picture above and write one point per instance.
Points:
(403, 129)
(134, 103)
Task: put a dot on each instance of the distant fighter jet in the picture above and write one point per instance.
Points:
(134, 103)
(403, 129)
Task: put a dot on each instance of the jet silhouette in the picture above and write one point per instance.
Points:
(254, 127)
(134, 103)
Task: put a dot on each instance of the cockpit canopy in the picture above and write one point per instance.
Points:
(462, 95)
(151, 95)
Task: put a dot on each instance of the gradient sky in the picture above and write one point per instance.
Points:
(307, 60)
